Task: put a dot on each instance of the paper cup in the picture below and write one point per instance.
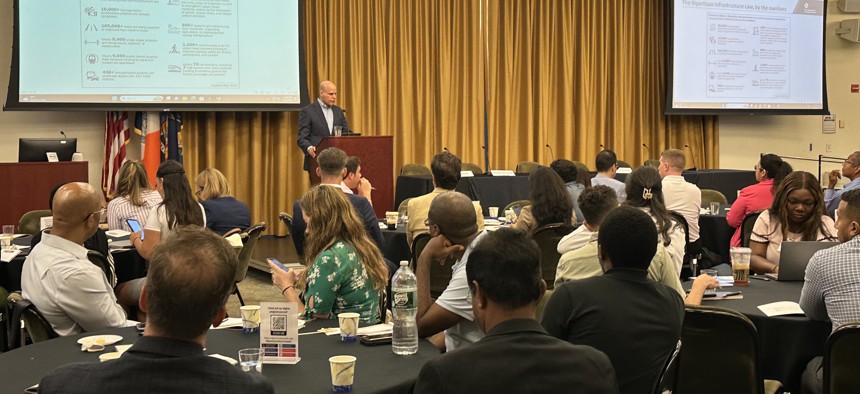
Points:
(250, 318)
(348, 326)
(77, 156)
(494, 212)
(342, 373)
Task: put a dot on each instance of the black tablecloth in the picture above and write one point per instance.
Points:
(787, 342)
(409, 186)
(396, 248)
(715, 233)
(727, 182)
(491, 191)
(377, 368)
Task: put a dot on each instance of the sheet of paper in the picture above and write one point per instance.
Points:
(8, 254)
(781, 308)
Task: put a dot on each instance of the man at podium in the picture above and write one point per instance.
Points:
(318, 120)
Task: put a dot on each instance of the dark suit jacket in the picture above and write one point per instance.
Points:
(518, 356)
(155, 365)
(362, 208)
(313, 127)
(226, 213)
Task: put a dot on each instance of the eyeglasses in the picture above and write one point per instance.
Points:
(428, 223)
(100, 212)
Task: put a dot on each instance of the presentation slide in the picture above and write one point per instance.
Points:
(748, 55)
(159, 52)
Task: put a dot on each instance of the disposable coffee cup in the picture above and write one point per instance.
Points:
(250, 318)
(342, 373)
(494, 212)
(77, 156)
(391, 219)
(741, 265)
(348, 326)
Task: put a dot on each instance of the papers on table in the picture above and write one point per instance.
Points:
(781, 308)
(118, 233)
(8, 254)
(236, 322)
(376, 329)
(726, 281)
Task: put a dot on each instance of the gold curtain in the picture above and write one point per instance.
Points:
(568, 73)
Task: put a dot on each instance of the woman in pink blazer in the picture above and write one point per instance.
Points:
(769, 172)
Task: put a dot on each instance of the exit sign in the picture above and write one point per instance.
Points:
(855, 88)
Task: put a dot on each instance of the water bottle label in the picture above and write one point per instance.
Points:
(404, 299)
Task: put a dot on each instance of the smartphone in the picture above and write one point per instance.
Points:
(373, 340)
(135, 227)
(278, 263)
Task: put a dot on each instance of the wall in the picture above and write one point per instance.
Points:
(742, 138)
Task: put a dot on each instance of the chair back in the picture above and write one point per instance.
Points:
(679, 219)
(711, 195)
(622, 163)
(476, 169)
(542, 304)
(840, 359)
(747, 227)
(651, 163)
(440, 275)
(287, 219)
(101, 261)
(29, 223)
(415, 169)
(527, 167)
(667, 375)
(707, 353)
(418, 245)
(38, 328)
(547, 238)
(403, 207)
(518, 203)
(248, 250)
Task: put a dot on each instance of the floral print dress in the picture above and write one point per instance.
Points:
(338, 283)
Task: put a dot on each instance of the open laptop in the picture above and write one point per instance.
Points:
(794, 257)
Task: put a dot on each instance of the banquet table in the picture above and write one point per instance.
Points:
(378, 369)
(395, 246)
(787, 343)
(715, 233)
(491, 191)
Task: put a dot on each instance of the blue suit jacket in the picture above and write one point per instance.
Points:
(313, 127)
(362, 208)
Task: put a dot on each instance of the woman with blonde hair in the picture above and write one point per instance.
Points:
(134, 197)
(223, 211)
(346, 272)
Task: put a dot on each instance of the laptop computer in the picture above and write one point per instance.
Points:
(794, 257)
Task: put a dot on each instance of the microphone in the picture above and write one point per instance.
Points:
(551, 152)
(445, 148)
(647, 151)
(63, 133)
(601, 147)
(692, 155)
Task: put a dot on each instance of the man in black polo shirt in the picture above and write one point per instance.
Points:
(635, 321)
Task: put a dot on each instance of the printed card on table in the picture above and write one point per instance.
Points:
(279, 332)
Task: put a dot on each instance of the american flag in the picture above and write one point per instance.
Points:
(116, 137)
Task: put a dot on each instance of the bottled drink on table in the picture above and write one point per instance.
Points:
(404, 306)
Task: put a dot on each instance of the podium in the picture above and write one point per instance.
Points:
(27, 186)
(377, 165)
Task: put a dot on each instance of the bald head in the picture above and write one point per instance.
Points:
(73, 209)
(328, 93)
(454, 213)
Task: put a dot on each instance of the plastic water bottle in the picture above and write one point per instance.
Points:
(404, 306)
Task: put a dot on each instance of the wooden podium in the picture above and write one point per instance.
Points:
(27, 186)
(376, 165)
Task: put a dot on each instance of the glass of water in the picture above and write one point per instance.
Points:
(712, 273)
(251, 360)
(7, 236)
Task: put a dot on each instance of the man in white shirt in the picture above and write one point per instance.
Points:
(71, 292)
(452, 225)
(607, 165)
(679, 195)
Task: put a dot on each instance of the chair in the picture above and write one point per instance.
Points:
(512, 205)
(29, 223)
(245, 257)
(705, 355)
(711, 195)
(747, 227)
(403, 207)
(476, 169)
(527, 167)
(101, 261)
(622, 163)
(418, 245)
(667, 376)
(840, 359)
(547, 237)
(440, 275)
(38, 328)
(542, 304)
(651, 163)
(287, 219)
(415, 169)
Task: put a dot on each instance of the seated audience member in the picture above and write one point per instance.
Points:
(134, 197)
(697, 289)
(634, 320)
(505, 284)
(769, 172)
(566, 169)
(454, 234)
(223, 211)
(186, 293)
(70, 291)
(607, 165)
(346, 272)
(599, 203)
(850, 170)
(550, 203)
(832, 281)
(583, 175)
(644, 191)
(681, 196)
(446, 174)
(355, 180)
(331, 166)
(583, 263)
(796, 214)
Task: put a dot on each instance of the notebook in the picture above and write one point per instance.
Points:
(794, 256)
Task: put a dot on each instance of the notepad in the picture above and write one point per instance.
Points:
(781, 308)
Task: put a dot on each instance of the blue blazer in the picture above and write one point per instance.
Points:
(313, 127)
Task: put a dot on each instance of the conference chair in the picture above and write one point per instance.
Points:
(622, 163)
(403, 207)
(101, 261)
(253, 234)
(527, 167)
(547, 238)
(542, 304)
(651, 163)
(476, 169)
(287, 219)
(667, 375)
(29, 223)
(418, 245)
(440, 274)
(37, 327)
(719, 342)
(515, 205)
(711, 195)
(840, 359)
(747, 227)
(686, 271)
(415, 169)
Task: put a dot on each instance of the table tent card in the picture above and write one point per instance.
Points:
(279, 332)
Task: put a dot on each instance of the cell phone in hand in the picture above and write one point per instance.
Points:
(135, 227)
(278, 263)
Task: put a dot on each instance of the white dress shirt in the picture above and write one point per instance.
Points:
(685, 198)
(69, 290)
(328, 114)
(618, 186)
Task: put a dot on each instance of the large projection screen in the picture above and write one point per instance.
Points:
(157, 55)
(746, 56)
